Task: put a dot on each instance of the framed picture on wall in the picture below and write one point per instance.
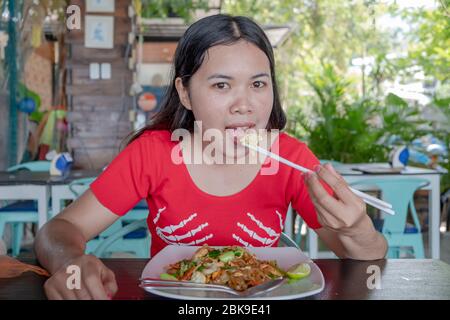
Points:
(107, 6)
(99, 32)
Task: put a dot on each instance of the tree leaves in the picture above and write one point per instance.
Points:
(343, 127)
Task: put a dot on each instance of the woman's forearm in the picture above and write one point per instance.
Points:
(58, 242)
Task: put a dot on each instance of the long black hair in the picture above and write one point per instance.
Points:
(220, 29)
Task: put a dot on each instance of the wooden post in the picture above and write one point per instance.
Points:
(12, 82)
(98, 109)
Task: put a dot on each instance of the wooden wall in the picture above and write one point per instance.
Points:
(98, 109)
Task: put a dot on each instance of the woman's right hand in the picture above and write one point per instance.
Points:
(97, 282)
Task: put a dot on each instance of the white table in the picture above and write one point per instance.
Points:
(60, 189)
(25, 185)
(59, 193)
(352, 176)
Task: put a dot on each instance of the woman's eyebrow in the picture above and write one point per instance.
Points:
(222, 76)
(260, 75)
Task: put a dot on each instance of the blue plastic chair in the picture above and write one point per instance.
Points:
(127, 234)
(110, 243)
(286, 241)
(400, 193)
(298, 236)
(35, 166)
(20, 212)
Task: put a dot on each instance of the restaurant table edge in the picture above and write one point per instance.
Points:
(401, 279)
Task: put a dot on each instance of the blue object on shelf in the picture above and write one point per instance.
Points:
(399, 157)
(61, 164)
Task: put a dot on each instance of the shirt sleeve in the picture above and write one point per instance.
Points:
(126, 180)
(301, 201)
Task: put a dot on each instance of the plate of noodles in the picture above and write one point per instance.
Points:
(237, 267)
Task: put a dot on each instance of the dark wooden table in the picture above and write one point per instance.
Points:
(43, 178)
(344, 279)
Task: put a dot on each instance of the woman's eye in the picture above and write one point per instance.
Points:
(221, 85)
(258, 84)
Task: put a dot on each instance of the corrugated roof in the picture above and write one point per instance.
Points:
(172, 29)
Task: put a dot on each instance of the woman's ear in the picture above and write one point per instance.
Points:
(183, 93)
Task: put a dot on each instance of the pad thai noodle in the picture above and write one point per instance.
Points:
(232, 266)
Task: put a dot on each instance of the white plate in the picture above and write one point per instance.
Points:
(285, 257)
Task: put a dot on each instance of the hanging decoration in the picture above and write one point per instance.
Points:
(28, 101)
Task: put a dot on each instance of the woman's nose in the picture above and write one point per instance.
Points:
(241, 108)
(242, 103)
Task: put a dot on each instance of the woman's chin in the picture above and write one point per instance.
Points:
(233, 152)
(237, 153)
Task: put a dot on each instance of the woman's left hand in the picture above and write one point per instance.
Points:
(345, 213)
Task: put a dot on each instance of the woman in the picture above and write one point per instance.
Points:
(223, 81)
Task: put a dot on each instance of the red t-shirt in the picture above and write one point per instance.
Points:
(181, 213)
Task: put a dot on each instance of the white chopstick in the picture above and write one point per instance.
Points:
(374, 202)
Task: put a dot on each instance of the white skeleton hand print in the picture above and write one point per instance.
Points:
(273, 236)
(166, 233)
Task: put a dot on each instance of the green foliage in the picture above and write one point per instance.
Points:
(429, 41)
(347, 117)
(347, 128)
(322, 31)
(443, 133)
(165, 8)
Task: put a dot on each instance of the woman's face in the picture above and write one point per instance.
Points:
(232, 90)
